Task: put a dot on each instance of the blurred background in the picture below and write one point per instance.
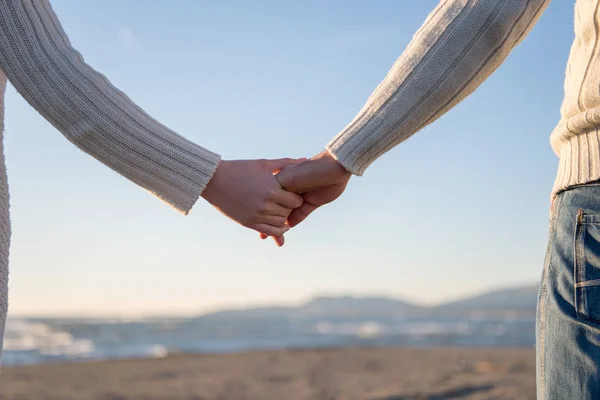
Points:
(439, 246)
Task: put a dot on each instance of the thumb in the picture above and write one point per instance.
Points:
(298, 178)
(299, 214)
(278, 164)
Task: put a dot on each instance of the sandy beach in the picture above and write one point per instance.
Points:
(345, 374)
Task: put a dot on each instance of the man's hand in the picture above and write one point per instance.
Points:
(319, 180)
(247, 192)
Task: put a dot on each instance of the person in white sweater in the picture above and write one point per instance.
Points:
(460, 44)
(38, 59)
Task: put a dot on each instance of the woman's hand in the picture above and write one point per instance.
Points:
(247, 192)
(319, 180)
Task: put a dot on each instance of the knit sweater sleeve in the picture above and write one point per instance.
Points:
(460, 44)
(39, 61)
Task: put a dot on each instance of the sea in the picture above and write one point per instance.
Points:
(55, 340)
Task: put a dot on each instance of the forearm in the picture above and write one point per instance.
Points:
(460, 44)
(39, 61)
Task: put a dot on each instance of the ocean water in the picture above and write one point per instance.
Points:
(34, 341)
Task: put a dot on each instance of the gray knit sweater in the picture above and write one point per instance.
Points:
(459, 46)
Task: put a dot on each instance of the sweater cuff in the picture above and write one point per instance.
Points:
(199, 175)
(189, 175)
(170, 167)
(355, 149)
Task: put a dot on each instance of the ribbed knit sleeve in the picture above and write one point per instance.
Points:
(460, 44)
(39, 61)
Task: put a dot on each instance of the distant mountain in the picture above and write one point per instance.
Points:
(258, 312)
(273, 321)
(327, 306)
(323, 307)
(512, 298)
(521, 300)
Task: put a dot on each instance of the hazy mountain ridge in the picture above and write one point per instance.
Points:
(516, 300)
(512, 299)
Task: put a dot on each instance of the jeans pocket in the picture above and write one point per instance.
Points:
(587, 267)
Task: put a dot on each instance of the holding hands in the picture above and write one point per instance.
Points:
(247, 192)
(271, 196)
(320, 180)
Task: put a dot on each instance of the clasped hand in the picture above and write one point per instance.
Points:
(271, 196)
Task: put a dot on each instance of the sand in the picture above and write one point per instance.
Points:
(347, 374)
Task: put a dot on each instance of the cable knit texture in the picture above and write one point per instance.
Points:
(38, 60)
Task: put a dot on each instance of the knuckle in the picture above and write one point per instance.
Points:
(263, 207)
(299, 201)
(275, 232)
(267, 231)
(281, 221)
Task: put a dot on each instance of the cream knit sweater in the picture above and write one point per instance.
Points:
(460, 44)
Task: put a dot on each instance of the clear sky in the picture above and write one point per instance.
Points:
(459, 208)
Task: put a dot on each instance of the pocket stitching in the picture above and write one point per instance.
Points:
(581, 286)
(579, 262)
(591, 283)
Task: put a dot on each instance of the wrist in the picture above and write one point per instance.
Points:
(332, 164)
(211, 192)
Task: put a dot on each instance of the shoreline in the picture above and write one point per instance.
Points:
(175, 354)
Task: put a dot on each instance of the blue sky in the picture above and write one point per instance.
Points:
(459, 208)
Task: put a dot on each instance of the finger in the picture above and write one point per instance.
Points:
(288, 199)
(299, 214)
(274, 220)
(278, 164)
(300, 178)
(310, 175)
(279, 240)
(277, 210)
(286, 178)
(263, 236)
(271, 230)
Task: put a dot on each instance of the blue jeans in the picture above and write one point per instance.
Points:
(568, 315)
